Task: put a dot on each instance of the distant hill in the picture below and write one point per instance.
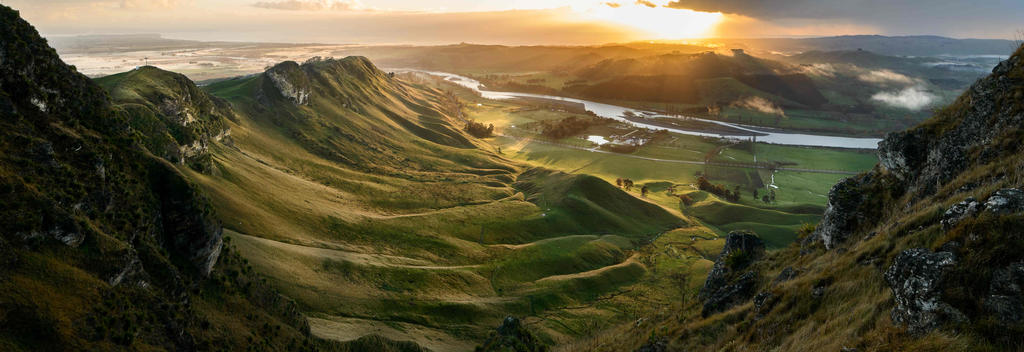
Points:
(895, 46)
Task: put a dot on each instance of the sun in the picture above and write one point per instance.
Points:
(660, 22)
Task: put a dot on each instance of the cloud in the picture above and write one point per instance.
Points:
(893, 17)
(309, 5)
(646, 3)
(883, 77)
(820, 70)
(913, 98)
(613, 5)
(759, 104)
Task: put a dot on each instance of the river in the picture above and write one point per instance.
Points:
(616, 112)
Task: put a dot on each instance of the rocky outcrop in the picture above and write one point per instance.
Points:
(290, 81)
(903, 152)
(844, 213)
(728, 284)
(1005, 201)
(178, 119)
(934, 153)
(1002, 202)
(959, 211)
(916, 278)
(189, 228)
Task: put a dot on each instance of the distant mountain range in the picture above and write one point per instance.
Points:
(924, 45)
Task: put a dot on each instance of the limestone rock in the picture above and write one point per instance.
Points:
(843, 215)
(291, 82)
(916, 278)
(1005, 201)
(727, 284)
(959, 211)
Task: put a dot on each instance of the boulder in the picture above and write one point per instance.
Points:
(916, 278)
(902, 153)
(1005, 201)
(728, 284)
(959, 211)
(842, 216)
(734, 293)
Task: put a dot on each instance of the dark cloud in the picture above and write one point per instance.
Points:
(889, 16)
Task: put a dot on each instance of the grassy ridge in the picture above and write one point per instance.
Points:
(368, 202)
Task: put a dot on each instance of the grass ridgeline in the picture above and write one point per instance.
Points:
(338, 153)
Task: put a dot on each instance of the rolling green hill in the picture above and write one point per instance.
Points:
(359, 196)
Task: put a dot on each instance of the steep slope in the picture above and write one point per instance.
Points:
(922, 253)
(360, 196)
(104, 246)
(178, 119)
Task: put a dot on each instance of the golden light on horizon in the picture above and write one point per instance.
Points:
(660, 22)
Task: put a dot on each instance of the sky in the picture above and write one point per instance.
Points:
(519, 22)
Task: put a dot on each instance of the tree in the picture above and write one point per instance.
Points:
(643, 191)
(736, 191)
(628, 184)
(618, 182)
(755, 193)
(765, 199)
(719, 190)
(771, 195)
(479, 130)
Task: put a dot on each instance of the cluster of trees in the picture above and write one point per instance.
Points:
(719, 190)
(628, 185)
(480, 130)
(566, 127)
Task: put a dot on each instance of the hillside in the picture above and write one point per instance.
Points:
(360, 196)
(106, 246)
(922, 253)
(316, 206)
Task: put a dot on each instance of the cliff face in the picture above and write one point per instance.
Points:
(178, 120)
(935, 160)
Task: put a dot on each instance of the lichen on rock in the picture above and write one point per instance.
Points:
(916, 278)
